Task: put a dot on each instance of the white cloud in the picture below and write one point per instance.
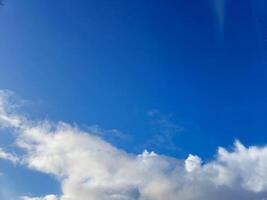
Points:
(7, 116)
(88, 168)
(8, 156)
(48, 197)
(192, 163)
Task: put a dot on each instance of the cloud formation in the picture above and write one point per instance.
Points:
(220, 12)
(48, 197)
(8, 156)
(89, 168)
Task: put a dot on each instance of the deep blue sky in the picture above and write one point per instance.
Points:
(164, 74)
(110, 63)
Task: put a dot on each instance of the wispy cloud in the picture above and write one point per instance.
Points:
(220, 13)
(109, 135)
(87, 167)
(164, 129)
(8, 156)
(48, 197)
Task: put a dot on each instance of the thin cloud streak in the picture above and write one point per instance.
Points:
(220, 13)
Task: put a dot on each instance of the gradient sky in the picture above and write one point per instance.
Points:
(173, 77)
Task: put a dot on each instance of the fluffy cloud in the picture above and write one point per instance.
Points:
(89, 168)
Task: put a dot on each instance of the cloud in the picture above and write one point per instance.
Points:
(48, 197)
(8, 156)
(89, 168)
(219, 9)
(192, 163)
(8, 118)
(164, 129)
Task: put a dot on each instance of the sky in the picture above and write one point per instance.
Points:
(133, 100)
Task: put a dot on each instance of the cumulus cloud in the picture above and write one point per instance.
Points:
(192, 163)
(89, 168)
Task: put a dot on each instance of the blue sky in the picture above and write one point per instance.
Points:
(170, 77)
